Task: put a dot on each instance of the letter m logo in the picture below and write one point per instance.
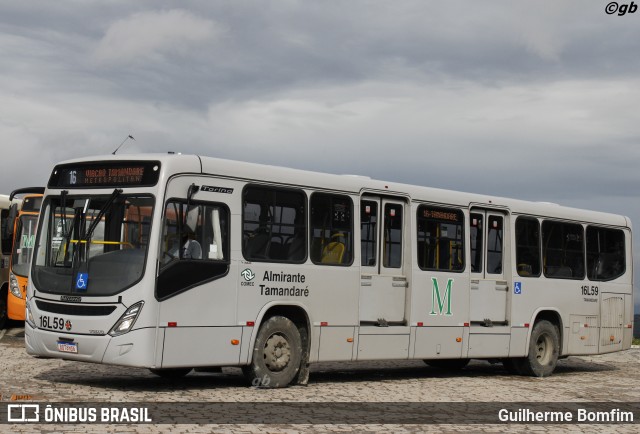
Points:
(439, 300)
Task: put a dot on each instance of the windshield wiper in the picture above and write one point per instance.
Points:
(94, 224)
(66, 234)
(63, 216)
(80, 259)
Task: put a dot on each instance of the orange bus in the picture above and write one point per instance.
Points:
(6, 239)
(24, 230)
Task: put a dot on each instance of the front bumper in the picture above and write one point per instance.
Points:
(136, 348)
(15, 307)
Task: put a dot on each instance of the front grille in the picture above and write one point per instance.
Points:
(75, 309)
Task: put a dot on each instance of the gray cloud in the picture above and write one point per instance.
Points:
(536, 100)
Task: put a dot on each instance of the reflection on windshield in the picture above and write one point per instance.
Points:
(92, 245)
(25, 238)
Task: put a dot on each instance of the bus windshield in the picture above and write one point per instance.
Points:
(92, 245)
(23, 246)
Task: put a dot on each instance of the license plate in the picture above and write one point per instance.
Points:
(68, 347)
(53, 323)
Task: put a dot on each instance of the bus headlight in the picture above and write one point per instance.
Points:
(13, 286)
(126, 321)
(29, 316)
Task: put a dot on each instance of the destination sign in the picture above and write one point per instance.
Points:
(106, 174)
(441, 214)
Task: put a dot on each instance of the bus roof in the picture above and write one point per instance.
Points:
(252, 172)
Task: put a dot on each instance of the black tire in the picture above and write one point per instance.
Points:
(171, 372)
(277, 354)
(3, 309)
(448, 364)
(544, 348)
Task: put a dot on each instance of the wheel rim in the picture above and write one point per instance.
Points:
(277, 353)
(544, 349)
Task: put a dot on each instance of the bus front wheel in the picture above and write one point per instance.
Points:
(544, 348)
(277, 354)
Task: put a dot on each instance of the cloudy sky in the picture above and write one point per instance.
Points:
(531, 99)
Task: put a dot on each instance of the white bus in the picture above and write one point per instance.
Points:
(173, 262)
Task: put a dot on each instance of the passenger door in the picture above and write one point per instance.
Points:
(383, 279)
(489, 281)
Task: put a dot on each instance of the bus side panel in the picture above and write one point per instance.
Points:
(612, 326)
(438, 342)
(439, 299)
(440, 307)
(628, 322)
(583, 334)
(135, 348)
(336, 343)
(328, 295)
(201, 346)
(383, 347)
(517, 345)
(483, 345)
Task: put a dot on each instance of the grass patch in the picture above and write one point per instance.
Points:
(635, 341)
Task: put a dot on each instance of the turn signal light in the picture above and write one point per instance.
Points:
(234, 342)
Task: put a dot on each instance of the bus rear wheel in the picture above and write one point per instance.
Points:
(277, 354)
(544, 348)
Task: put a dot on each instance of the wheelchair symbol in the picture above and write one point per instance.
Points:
(81, 281)
(517, 287)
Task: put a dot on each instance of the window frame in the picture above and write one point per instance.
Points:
(304, 228)
(563, 249)
(375, 232)
(538, 245)
(349, 247)
(624, 251)
(206, 264)
(387, 244)
(461, 223)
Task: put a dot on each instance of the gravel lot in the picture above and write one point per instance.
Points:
(611, 378)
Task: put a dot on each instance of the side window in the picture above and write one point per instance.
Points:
(440, 239)
(274, 225)
(563, 250)
(476, 229)
(528, 246)
(494, 244)
(194, 232)
(605, 253)
(368, 233)
(392, 236)
(331, 229)
(195, 246)
(5, 231)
